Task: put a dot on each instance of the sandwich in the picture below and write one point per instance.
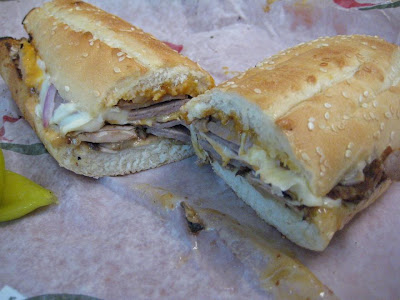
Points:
(101, 94)
(308, 137)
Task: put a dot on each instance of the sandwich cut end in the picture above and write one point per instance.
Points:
(311, 128)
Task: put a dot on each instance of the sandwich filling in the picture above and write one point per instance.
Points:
(126, 125)
(240, 152)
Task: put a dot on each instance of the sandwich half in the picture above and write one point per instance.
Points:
(101, 94)
(308, 137)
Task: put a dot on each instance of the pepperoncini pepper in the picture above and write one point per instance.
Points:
(19, 195)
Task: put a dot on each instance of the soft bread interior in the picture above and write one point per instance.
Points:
(327, 105)
(81, 159)
(313, 232)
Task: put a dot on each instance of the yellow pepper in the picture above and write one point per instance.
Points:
(2, 168)
(20, 195)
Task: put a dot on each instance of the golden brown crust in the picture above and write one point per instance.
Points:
(328, 104)
(96, 59)
(80, 158)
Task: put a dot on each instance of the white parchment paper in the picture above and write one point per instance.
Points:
(126, 237)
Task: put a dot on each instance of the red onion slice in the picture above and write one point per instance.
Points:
(48, 106)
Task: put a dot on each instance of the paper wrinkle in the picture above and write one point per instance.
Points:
(115, 238)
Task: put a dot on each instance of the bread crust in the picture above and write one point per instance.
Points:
(119, 60)
(314, 232)
(81, 159)
(327, 105)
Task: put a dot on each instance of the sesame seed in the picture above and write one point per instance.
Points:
(305, 156)
(348, 55)
(350, 145)
(388, 114)
(85, 54)
(271, 62)
(366, 93)
(346, 117)
(66, 88)
(97, 93)
(372, 115)
(327, 115)
(133, 28)
(365, 105)
(121, 58)
(117, 70)
(344, 94)
(333, 128)
(375, 103)
(382, 126)
(323, 70)
(360, 98)
(269, 68)
(392, 135)
(310, 125)
(341, 126)
(319, 150)
(328, 105)
(234, 86)
(321, 173)
(347, 153)
(120, 54)
(364, 43)
(259, 65)
(258, 91)
(91, 43)
(373, 47)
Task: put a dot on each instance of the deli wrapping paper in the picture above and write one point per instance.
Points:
(127, 237)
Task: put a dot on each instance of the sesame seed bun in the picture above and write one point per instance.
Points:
(325, 105)
(95, 58)
(82, 159)
(319, 112)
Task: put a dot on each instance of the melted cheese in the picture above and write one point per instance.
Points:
(272, 173)
(69, 118)
(32, 73)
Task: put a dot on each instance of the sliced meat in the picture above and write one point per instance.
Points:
(179, 133)
(167, 124)
(261, 186)
(373, 174)
(223, 134)
(128, 105)
(109, 134)
(226, 131)
(222, 142)
(161, 109)
(391, 165)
